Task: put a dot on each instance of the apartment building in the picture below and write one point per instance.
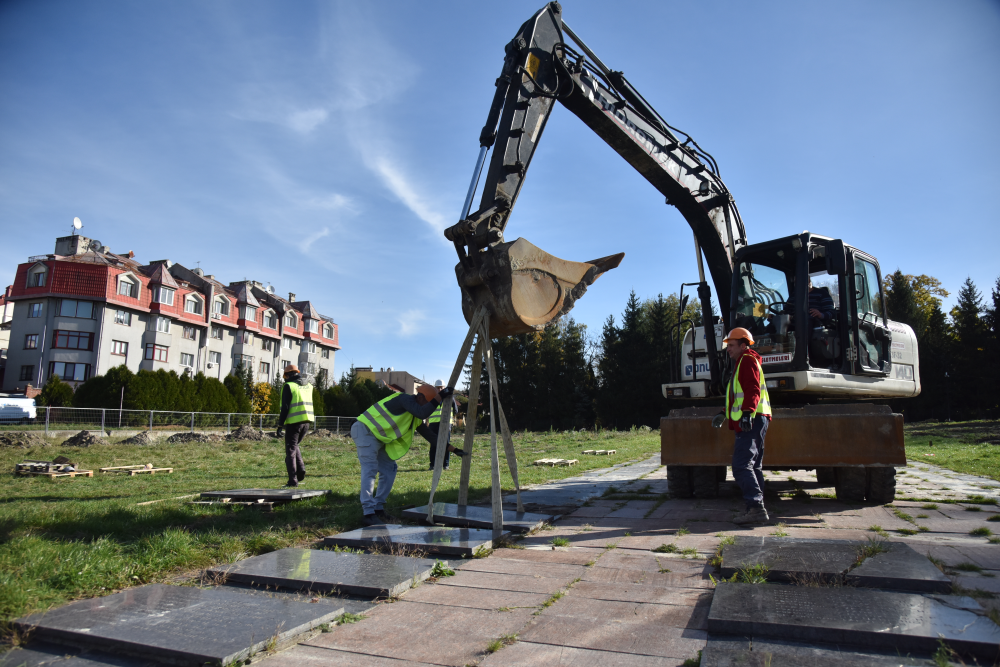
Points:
(84, 309)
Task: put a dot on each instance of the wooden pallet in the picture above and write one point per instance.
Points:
(136, 470)
(75, 473)
(600, 452)
(556, 462)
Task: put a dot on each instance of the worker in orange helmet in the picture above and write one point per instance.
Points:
(748, 411)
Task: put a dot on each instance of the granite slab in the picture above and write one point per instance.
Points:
(371, 575)
(883, 619)
(444, 540)
(901, 568)
(180, 624)
(43, 654)
(267, 495)
(469, 516)
(819, 561)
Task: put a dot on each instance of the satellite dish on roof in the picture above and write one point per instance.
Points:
(77, 224)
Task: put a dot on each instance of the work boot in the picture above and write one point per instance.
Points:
(753, 515)
(383, 516)
(291, 484)
(372, 520)
(301, 475)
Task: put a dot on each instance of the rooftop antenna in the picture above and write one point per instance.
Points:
(77, 224)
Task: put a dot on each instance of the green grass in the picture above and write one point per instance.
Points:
(982, 531)
(957, 446)
(666, 549)
(558, 541)
(71, 538)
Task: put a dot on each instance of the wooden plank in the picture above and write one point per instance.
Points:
(556, 462)
(50, 475)
(161, 500)
(136, 470)
(470, 422)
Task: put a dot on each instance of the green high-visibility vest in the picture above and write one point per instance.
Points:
(435, 417)
(394, 431)
(734, 397)
(301, 409)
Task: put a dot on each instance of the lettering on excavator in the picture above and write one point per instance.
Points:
(703, 369)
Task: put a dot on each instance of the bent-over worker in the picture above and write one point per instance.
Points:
(383, 433)
(296, 414)
(748, 411)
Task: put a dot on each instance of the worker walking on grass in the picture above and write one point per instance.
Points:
(294, 419)
(383, 433)
(434, 426)
(748, 411)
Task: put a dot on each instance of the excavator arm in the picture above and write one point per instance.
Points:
(539, 69)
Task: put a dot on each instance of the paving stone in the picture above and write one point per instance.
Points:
(701, 543)
(616, 635)
(882, 619)
(785, 650)
(610, 575)
(791, 560)
(312, 656)
(327, 571)
(980, 582)
(574, 556)
(505, 582)
(666, 615)
(520, 567)
(530, 654)
(595, 538)
(987, 556)
(428, 539)
(640, 593)
(476, 598)
(471, 516)
(184, 624)
(901, 568)
(437, 634)
(267, 495)
(666, 511)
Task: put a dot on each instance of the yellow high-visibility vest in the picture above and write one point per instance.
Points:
(735, 394)
(301, 409)
(394, 431)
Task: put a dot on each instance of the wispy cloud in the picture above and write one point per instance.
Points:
(306, 121)
(393, 178)
(410, 322)
(309, 240)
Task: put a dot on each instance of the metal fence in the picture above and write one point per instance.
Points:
(111, 420)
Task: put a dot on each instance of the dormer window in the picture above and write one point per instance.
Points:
(221, 307)
(327, 331)
(249, 313)
(291, 321)
(37, 275)
(164, 295)
(192, 304)
(270, 321)
(312, 326)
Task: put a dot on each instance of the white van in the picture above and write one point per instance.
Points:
(17, 409)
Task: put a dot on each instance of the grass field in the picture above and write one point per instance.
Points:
(62, 539)
(968, 447)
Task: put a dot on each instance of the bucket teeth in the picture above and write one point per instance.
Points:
(524, 287)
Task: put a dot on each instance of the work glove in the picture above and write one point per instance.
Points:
(719, 420)
(458, 452)
(746, 421)
(446, 392)
(280, 432)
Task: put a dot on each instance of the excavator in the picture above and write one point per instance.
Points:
(825, 369)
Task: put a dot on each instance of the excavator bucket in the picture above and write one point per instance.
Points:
(524, 288)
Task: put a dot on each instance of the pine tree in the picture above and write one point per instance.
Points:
(971, 377)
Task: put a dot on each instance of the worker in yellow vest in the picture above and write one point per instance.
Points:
(383, 433)
(294, 419)
(748, 411)
(434, 425)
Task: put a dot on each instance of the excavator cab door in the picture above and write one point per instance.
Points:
(870, 337)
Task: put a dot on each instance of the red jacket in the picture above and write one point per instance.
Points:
(750, 378)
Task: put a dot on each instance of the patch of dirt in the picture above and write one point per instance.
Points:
(195, 437)
(21, 439)
(246, 433)
(324, 434)
(141, 438)
(84, 439)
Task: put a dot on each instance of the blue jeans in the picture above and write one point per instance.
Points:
(374, 461)
(748, 455)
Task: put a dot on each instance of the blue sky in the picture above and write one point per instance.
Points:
(323, 147)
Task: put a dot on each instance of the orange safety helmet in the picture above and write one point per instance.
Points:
(428, 392)
(738, 333)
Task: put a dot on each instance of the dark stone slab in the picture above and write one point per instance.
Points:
(470, 516)
(901, 568)
(42, 654)
(819, 561)
(883, 619)
(266, 495)
(327, 571)
(180, 624)
(462, 542)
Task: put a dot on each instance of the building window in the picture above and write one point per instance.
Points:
(286, 343)
(27, 373)
(157, 352)
(249, 313)
(128, 288)
(310, 368)
(31, 342)
(326, 354)
(244, 360)
(164, 295)
(217, 332)
(160, 323)
(187, 359)
(69, 372)
(192, 305)
(35, 310)
(189, 333)
(36, 277)
(123, 317)
(270, 321)
(327, 331)
(244, 336)
(215, 357)
(312, 326)
(220, 307)
(72, 340)
(311, 348)
(290, 321)
(74, 308)
(266, 345)
(119, 348)
(265, 369)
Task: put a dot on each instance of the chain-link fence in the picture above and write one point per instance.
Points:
(111, 420)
